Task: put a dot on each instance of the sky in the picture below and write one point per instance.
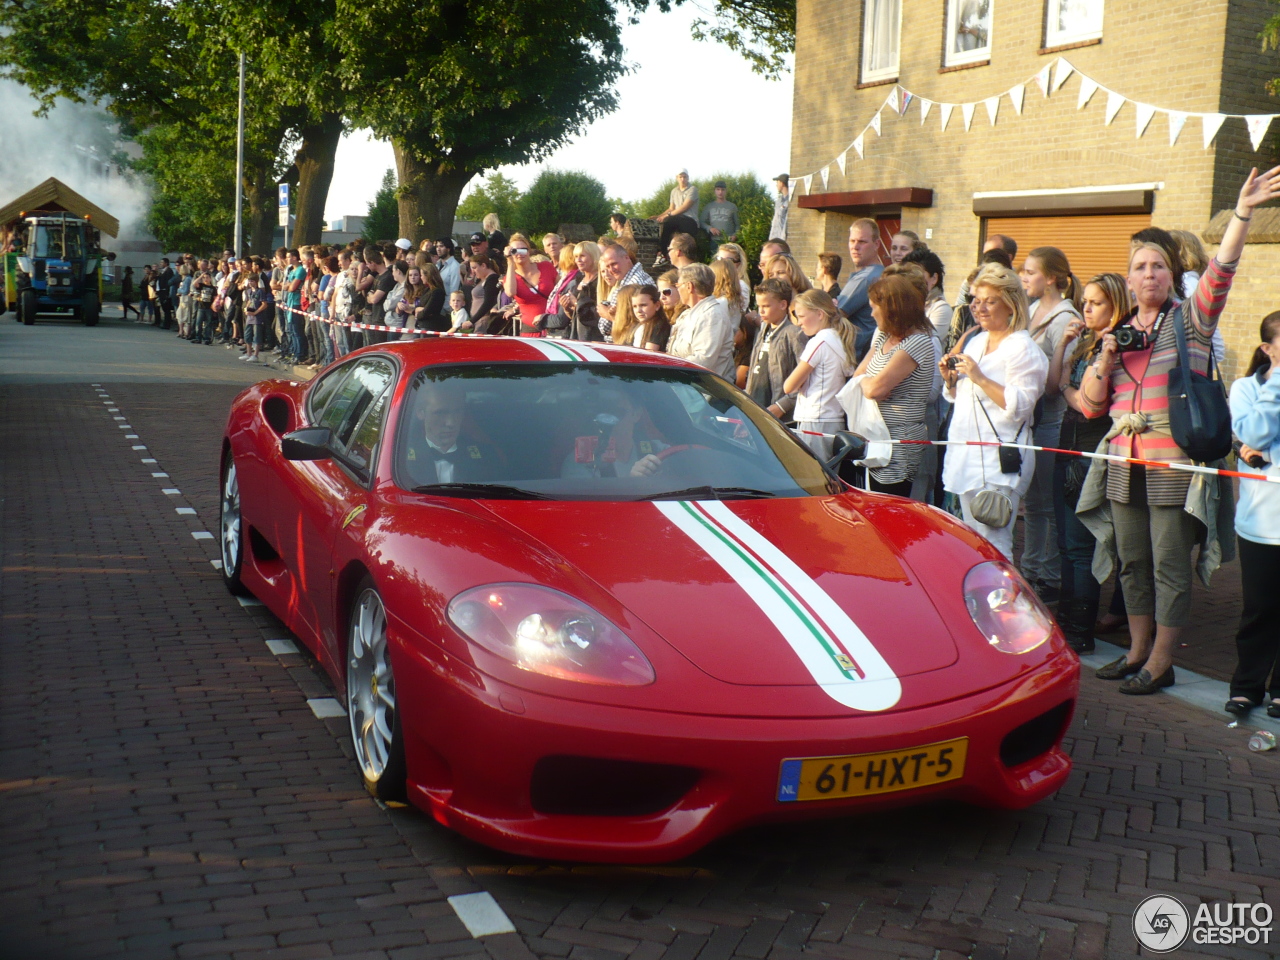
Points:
(630, 150)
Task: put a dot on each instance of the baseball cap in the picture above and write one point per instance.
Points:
(404, 244)
(783, 178)
(478, 238)
(684, 170)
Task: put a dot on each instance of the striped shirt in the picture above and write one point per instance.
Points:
(904, 409)
(1140, 384)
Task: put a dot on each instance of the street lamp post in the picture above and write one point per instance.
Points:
(239, 244)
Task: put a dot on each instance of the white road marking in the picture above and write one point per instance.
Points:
(149, 460)
(187, 511)
(201, 535)
(117, 418)
(326, 707)
(282, 647)
(480, 913)
(139, 446)
(158, 475)
(125, 426)
(217, 564)
(131, 436)
(249, 602)
(171, 491)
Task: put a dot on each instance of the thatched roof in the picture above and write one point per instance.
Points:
(54, 195)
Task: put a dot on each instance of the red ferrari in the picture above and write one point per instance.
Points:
(593, 603)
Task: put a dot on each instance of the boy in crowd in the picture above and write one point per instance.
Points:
(459, 318)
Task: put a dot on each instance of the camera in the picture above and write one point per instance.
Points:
(952, 361)
(1131, 338)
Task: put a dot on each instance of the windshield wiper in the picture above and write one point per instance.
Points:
(482, 491)
(712, 493)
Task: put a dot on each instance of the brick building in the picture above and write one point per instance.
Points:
(1055, 173)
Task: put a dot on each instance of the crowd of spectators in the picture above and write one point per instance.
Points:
(1016, 357)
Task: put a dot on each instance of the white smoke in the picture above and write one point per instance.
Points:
(75, 143)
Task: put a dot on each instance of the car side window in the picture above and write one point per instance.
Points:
(369, 379)
(365, 439)
(320, 395)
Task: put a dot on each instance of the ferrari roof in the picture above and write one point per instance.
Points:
(443, 348)
(54, 195)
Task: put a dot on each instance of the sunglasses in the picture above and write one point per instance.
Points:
(667, 292)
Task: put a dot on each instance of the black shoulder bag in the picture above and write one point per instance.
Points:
(1199, 417)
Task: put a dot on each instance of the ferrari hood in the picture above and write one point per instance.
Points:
(780, 592)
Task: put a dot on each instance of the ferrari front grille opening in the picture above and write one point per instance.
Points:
(592, 787)
(1035, 737)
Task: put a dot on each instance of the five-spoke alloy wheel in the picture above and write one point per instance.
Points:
(371, 699)
(231, 527)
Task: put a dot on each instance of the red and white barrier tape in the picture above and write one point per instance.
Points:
(352, 325)
(1158, 464)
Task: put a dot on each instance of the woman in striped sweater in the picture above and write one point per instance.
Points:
(1154, 535)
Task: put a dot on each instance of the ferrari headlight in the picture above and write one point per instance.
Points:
(1005, 609)
(545, 631)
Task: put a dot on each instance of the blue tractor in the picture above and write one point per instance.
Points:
(57, 269)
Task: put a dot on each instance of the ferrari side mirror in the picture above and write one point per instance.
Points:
(847, 446)
(309, 443)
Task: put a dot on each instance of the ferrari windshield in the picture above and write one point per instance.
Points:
(594, 432)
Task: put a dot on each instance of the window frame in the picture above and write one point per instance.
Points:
(1052, 13)
(884, 74)
(968, 57)
(362, 474)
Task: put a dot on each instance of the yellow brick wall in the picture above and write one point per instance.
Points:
(1171, 55)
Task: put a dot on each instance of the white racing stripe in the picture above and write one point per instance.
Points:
(837, 654)
(560, 351)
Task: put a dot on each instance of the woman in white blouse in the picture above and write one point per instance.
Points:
(994, 381)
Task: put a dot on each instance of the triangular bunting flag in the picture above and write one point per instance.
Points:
(945, 112)
(1258, 124)
(1114, 103)
(1145, 113)
(875, 123)
(857, 144)
(806, 181)
(1087, 89)
(1211, 122)
(924, 109)
(906, 101)
(840, 161)
(892, 101)
(1042, 80)
(1176, 121)
(967, 110)
(1061, 74)
(993, 107)
(1016, 94)
(826, 175)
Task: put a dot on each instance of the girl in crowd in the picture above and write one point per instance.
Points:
(783, 266)
(1255, 419)
(1106, 300)
(993, 385)
(828, 276)
(1053, 292)
(900, 368)
(824, 367)
(1154, 532)
(625, 321)
(735, 253)
(484, 294)
(652, 328)
(744, 340)
(672, 305)
(728, 289)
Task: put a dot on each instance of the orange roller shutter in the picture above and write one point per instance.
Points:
(1093, 245)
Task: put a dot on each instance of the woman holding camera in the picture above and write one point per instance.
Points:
(528, 283)
(1255, 419)
(1154, 532)
(993, 385)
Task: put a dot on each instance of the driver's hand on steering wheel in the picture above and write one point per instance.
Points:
(646, 466)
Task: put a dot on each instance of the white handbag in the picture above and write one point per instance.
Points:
(863, 417)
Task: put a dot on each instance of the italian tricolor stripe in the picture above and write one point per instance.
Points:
(566, 352)
(832, 648)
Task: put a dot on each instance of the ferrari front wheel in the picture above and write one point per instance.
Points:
(371, 699)
(231, 527)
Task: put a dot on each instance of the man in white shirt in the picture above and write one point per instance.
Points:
(450, 270)
(778, 227)
(704, 333)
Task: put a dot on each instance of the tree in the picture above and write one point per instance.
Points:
(563, 196)
(495, 194)
(755, 206)
(383, 219)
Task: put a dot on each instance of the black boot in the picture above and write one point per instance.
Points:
(1075, 617)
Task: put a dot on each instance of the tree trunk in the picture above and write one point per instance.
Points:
(428, 195)
(314, 162)
(260, 192)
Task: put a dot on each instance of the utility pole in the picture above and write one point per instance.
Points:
(239, 244)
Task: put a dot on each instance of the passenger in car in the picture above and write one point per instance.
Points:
(444, 453)
(625, 443)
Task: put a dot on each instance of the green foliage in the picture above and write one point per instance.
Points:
(382, 222)
(1270, 37)
(755, 206)
(563, 196)
(193, 200)
(495, 194)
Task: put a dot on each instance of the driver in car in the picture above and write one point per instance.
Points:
(624, 445)
(443, 453)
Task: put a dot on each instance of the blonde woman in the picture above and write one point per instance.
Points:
(993, 385)
(728, 289)
(825, 365)
(625, 321)
(669, 297)
(735, 253)
(528, 282)
(783, 266)
(555, 321)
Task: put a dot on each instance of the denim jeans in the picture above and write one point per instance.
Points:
(1040, 546)
(204, 322)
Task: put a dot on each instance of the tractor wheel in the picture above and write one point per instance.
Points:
(27, 306)
(89, 308)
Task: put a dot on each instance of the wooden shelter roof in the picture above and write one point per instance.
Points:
(54, 195)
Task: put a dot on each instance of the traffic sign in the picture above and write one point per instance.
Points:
(284, 205)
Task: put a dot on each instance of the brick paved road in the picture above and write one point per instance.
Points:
(167, 793)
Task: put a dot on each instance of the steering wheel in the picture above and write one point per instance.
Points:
(679, 448)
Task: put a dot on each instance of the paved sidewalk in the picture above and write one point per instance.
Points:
(167, 792)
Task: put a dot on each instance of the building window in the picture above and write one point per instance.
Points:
(1072, 21)
(881, 29)
(968, 32)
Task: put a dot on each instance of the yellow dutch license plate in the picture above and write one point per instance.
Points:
(867, 774)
